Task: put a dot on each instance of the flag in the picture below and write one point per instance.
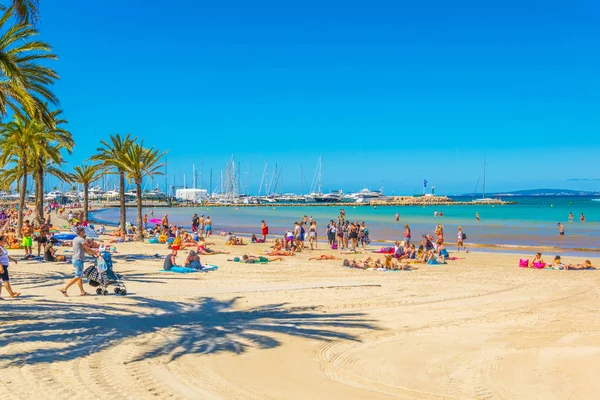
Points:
(424, 183)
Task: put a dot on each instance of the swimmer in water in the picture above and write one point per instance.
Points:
(561, 229)
(397, 217)
(582, 218)
(477, 216)
(570, 217)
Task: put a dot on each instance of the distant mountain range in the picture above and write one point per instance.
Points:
(540, 192)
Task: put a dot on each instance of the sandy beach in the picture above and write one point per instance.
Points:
(477, 328)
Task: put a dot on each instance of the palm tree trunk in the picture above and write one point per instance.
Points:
(22, 198)
(140, 228)
(39, 192)
(122, 199)
(86, 187)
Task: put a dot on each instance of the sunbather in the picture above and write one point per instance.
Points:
(324, 257)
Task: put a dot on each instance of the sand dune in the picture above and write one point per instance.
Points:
(479, 328)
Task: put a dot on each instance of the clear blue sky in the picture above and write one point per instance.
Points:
(389, 92)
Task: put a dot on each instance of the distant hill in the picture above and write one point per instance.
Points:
(541, 192)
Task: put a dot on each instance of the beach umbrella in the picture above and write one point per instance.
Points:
(89, 232)
(155, 221)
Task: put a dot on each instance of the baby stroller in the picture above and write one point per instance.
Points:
(102, 280)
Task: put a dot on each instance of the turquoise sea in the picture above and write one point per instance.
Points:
(531, 224)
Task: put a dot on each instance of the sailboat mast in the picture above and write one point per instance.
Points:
(484, 162)
(319, 183)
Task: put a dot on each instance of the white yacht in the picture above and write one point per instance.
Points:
(364, 195)
(54, 195)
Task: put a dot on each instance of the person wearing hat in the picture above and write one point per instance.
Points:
(80, 247)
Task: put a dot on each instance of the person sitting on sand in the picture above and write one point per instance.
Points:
(170, 261)
(441, 250)
(193, 260)
(277, 245)
(536, 260)
(324, 257)
(586, 265)
(257, 259)
(411, 253)
(558, 264)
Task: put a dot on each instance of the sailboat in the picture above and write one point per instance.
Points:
(318, 196)
(484, 199)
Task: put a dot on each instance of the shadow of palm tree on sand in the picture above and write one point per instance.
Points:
(67, 331)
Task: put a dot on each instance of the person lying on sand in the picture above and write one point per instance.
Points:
(235, 241)
(324, 257)
(558, 264)
(249, 259)
(391, 264)
(286, 253)
(586, 265)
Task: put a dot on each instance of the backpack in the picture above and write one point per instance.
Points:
(464, 236)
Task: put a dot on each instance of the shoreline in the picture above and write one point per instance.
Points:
(491, 248)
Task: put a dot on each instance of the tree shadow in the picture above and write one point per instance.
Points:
(200, 326)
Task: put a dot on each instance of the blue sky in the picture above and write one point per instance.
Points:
(388, 92)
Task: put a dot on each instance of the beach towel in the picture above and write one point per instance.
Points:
(184, 270)
(384, 250)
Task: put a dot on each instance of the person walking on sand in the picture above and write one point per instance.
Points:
(264, 230)
(561, 229)
(460, 240)
(79, 249)
(4, 278)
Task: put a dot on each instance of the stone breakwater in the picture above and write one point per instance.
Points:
(389, 201)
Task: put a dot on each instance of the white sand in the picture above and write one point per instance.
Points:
(479, 328)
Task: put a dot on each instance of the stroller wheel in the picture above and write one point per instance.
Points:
(117, 290)
(123, 291)
(99, 291)
(105, 292)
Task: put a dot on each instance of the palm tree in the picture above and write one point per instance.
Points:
(142, 163)
(26, 10)
(111, 156)
(17, 147)
(86, 175)
(23, 81)
(51, 140)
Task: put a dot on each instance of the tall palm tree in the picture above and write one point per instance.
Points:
(17, 148)
(86, 175)
(51, 140)
(111, 157)
(142, 163)
(23, 80)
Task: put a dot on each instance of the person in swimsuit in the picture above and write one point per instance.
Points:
(257, 259)
(312, 235)
(582, 218)
(165, 222)
(586, 265)
(397, 217)
(407, 234)
(561, 229)
(27, 243)
(208, 225)
(570, 217)
(477, 216)
(264, 230)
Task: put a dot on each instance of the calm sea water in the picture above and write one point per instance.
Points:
(530, 223)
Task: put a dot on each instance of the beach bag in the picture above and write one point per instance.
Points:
(539, 265)
(101, 266)
(464, 237)
(334, 246)
(523, 263)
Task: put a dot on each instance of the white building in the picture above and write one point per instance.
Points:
(193, 195)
